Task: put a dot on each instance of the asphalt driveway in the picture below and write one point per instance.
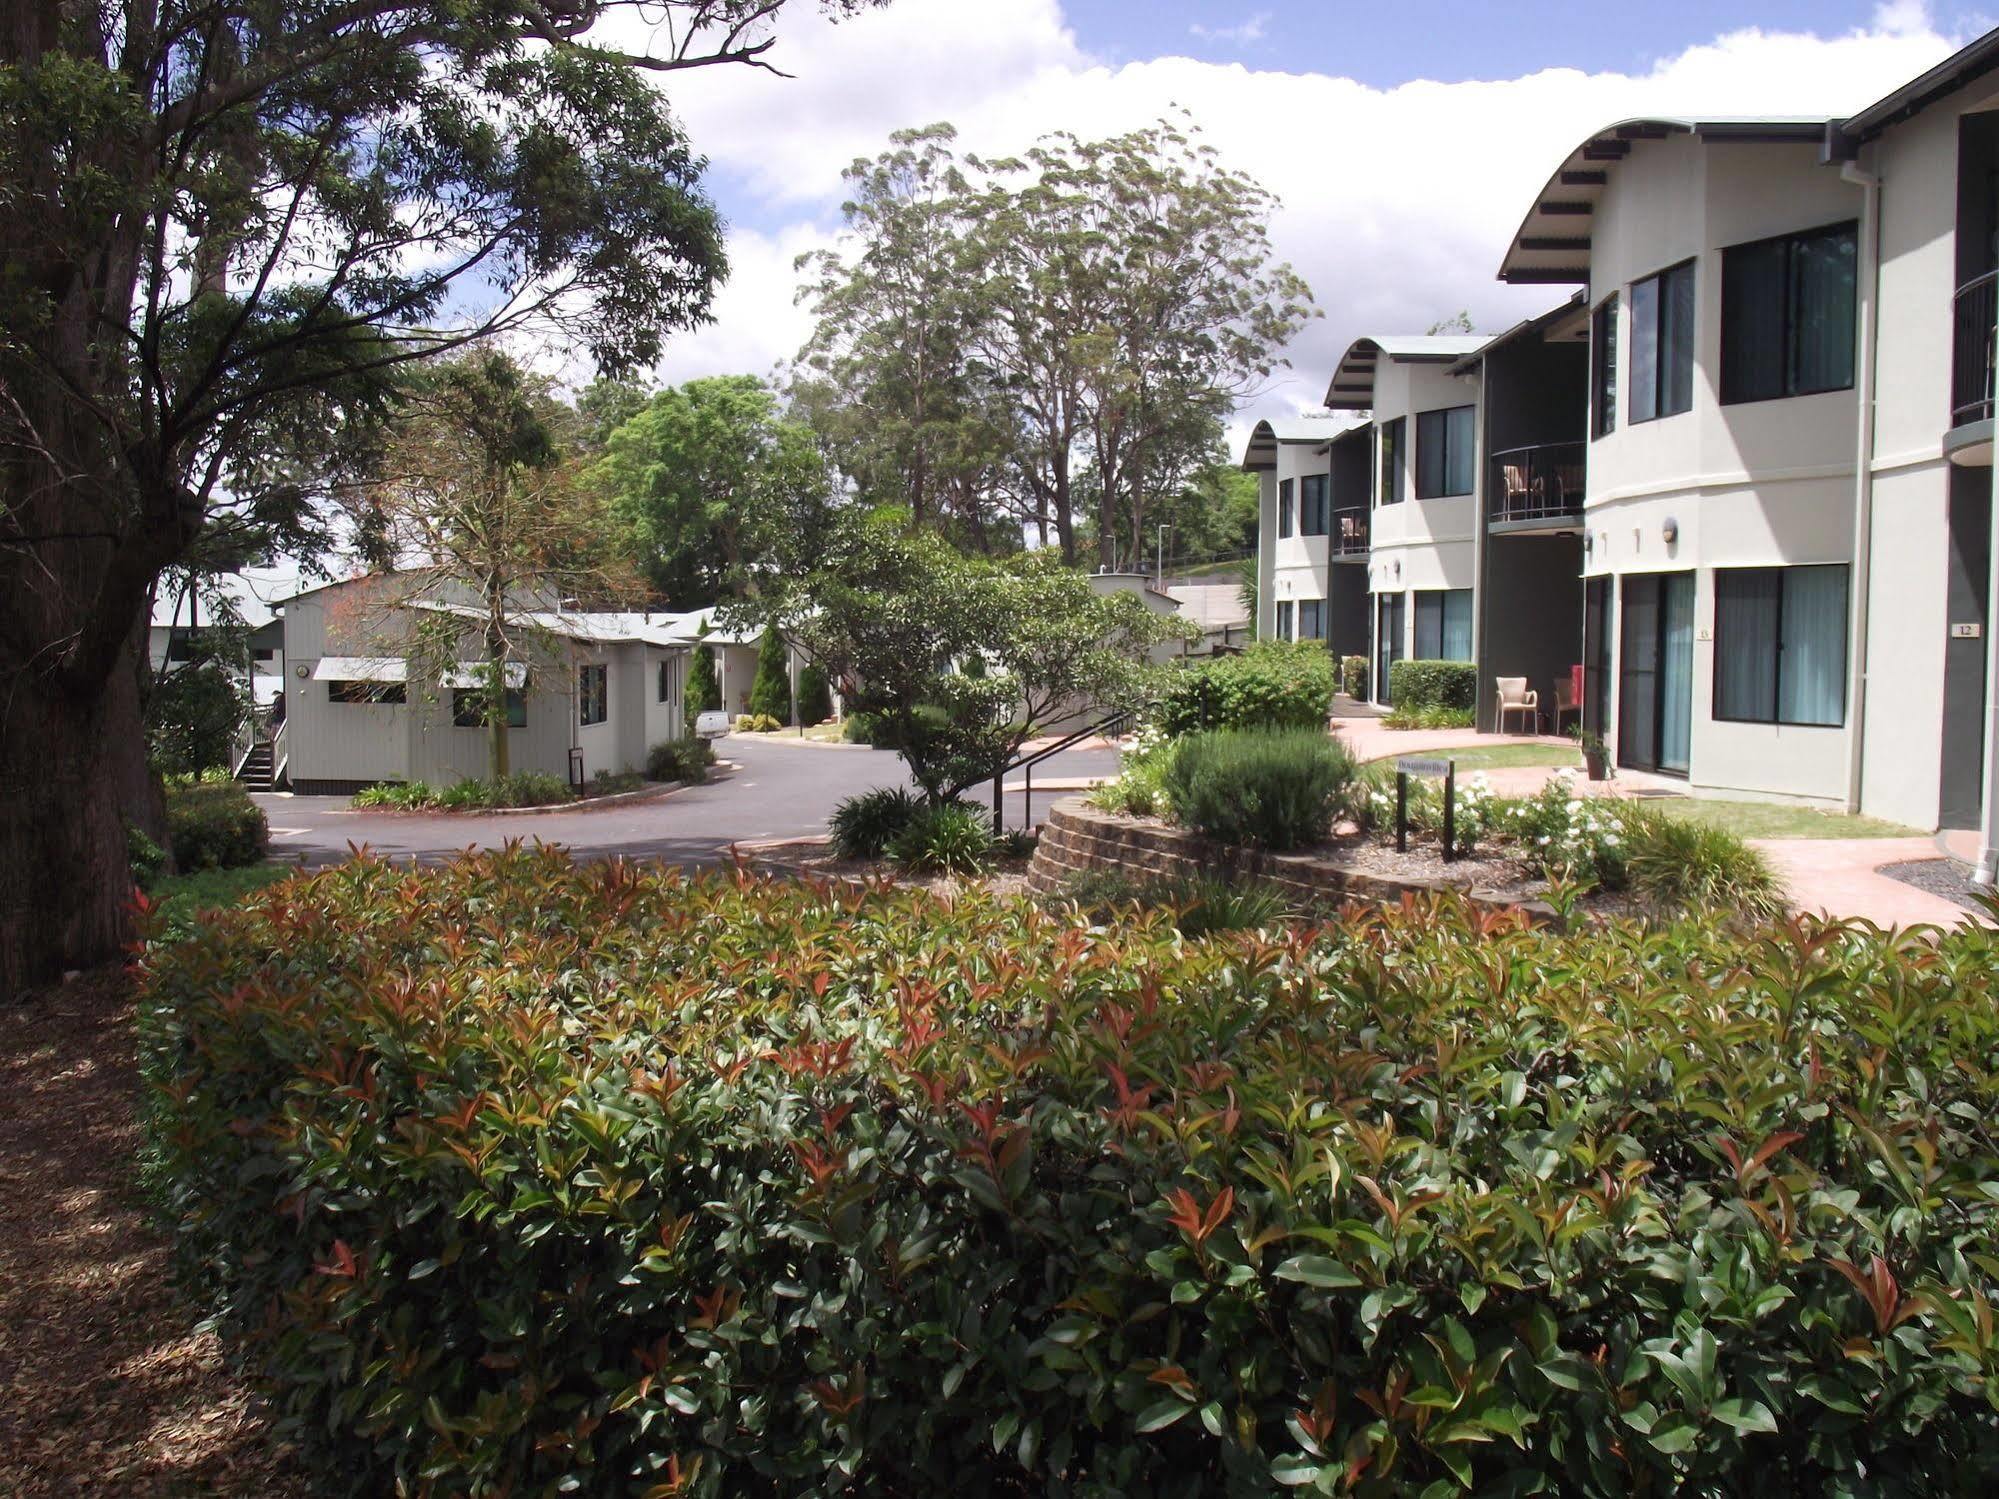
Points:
(781, 790)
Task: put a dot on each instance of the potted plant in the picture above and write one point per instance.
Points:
(1596, 754)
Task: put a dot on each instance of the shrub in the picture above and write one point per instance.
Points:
(406, 795)
(704, 686)
(1276, 789)
(520, 1175)
(144, 859)
(193, 714)
(1416, 685)
(863, 826)
(770, 690)
(1139, 788)
(859, 728)
(815, 695)
(944, 838)
(612, 782)
(1353, 676)
(756, 723)
(685, 760)
(467, 795)
(1274, 684)
(1429, 718)
(523, 788)
(1197, 908)
(1679, 865)
(213, 824)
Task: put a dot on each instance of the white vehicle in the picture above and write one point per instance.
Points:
(711, 725)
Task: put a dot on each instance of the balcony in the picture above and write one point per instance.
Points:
(1348, 540)
(1536, 490)
(1970, 437)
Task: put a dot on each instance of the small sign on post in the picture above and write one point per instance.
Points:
(1411, 765)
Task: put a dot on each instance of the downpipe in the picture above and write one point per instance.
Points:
(1863, 478)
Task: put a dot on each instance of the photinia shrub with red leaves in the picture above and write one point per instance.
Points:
(520, 1177)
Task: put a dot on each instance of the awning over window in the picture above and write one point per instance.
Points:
(360, 669)
(473, 674)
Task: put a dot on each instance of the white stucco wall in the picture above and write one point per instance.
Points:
(1422, 544)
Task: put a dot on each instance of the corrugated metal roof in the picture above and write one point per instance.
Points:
(1267, 435)
(1352, 387)
(360, 669)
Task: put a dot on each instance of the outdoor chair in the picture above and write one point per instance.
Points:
(1513, 480)
(1514, 697)
(1566, 701)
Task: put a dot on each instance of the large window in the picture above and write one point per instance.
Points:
(1446, 452)
(1780, 645)
(593, 694)
(1284, 507)
(1313, 504)
(374, 694)
(1662, 344)
(1388, 479)
(468, 707)
(1787, 315)
(1311, 619)
(1284, 618)
(1443, 624)
(1603, 367)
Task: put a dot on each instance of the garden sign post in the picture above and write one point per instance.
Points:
(1408, 766)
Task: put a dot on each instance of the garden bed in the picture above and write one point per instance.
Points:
(814, 858)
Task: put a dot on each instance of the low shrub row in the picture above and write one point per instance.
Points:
(918, 836)
(685, 760)
(1273, 684)
(1197, 907)
(1400, 717)
(213, 824)
(515, 1176)
(1275, 789)
(521, 788)
(758, 723)
(1414, 686)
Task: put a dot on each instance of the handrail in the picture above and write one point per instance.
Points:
(1028, 762)
(1537, 481)
(1973, 309)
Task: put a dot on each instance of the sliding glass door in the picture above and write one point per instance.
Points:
(1655, 684)
(1389, 619)
(1597, 615)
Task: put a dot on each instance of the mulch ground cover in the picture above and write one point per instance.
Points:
(106, 1386)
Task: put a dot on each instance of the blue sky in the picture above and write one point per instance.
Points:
(1438, 39)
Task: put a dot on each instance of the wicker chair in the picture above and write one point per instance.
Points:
(1566, 701)
(1516, 697)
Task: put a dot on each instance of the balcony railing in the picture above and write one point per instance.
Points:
(1348, 537)
(1971, 351)
(1540, 483)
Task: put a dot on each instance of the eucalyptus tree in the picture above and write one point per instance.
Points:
(226, 225)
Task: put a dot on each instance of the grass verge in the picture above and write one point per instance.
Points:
(1779, 820)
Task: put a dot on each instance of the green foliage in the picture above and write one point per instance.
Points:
(143, 857)
(1198, 908)
(704, 685)
(406, 796)
(1274, 684)
(1268, 788)
(685, 760)
(815, 695)
(523, 788)
(860, 728)
(213, 824)
(176, 904)
(756, 723)
(944, 838)
(774, 1186)
(615, 782)
(1353, 677)
(1414, 686)
(889, 609)
(1432, 717)
(192, 718)
(1679, 865)
(863, 826)
(1139, 788)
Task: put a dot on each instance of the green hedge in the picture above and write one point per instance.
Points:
(1416, 685)
(1266, 788)
(213, 824)
(685, 760)
(1353, 676)
(520, 1177)
(1274, 684)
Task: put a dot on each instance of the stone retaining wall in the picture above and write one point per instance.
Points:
(1076, 838)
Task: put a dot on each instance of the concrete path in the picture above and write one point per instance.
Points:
(1838, 876)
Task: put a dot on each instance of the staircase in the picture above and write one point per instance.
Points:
(259, 770)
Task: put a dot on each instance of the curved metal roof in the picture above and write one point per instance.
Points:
(1353, 381)
(1270, 434)
(1552, 243)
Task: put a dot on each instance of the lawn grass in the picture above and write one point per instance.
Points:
(180, 897)
(1509, 756)
(1779, 820)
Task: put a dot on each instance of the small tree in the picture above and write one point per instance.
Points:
(770, 693)
(192, 718)
(704, 688)
(891, 612)
(815, 695)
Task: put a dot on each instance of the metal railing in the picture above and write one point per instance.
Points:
(1026, 763)
(1348, 535)
(1541, 482)
(1975, 306)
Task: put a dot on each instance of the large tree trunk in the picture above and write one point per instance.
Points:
(68, 765)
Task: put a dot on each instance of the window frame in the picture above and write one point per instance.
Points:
(666, 673)
(1284, 497)
(1782, 572)
(1603, 366)
(1849, 228)
(585, 695)
(1285, 625)
(1391, 460)
(1440, 601)
(1308, 486)
(1442, 421)
(1318, 606)
(349, 692)
(1659, 344)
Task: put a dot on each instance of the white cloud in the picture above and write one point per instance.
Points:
(1252, 30)
(1397, 202)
